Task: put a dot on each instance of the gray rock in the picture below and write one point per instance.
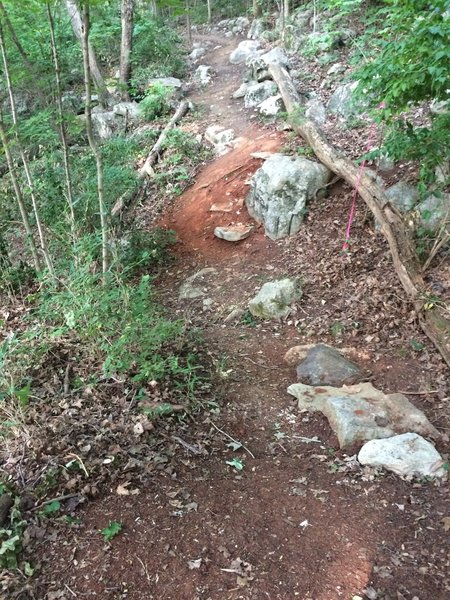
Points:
(315, 111)
(402, 196)
(228, 34)
(336, 68)
(434, 212)
(234, 233)
(197, 53)
(195, 286)
(259, 92)
(280, 190)
(274, 299)
(361, 412)
(104, 123)
(271, 106)
(326, 366)
(258, 64)
(407, 455)
(342, 101)
(204, 74)
(129, 110)
(243, 51)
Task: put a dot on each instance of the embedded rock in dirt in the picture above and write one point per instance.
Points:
(342, 101)
(316, 111)
(204, 74)
(271, 106)
(233, 233)
(167, 82)
(196, 285)
(221, 207)
(242, 90)
(197, 53)
(280, 190)
(274, 299)
(244, 50)
(298, 353)
(220, 138)
(408, 454)
(434, 212)
(360, 412)
(403, 196)
(326, 366)
(259, 92)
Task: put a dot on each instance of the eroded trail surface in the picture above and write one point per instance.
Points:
(299, 520)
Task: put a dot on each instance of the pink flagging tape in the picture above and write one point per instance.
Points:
(361, 170)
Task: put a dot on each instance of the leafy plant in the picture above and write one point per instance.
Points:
(236, 463)
(113, 529)
(156, 101)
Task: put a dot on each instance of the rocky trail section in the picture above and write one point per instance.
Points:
(267, 498)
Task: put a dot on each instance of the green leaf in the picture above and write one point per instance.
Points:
(113, 529)
(51, 508)
(236, 463)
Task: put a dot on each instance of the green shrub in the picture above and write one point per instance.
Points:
(156, 102)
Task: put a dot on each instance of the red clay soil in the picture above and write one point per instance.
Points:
(301, 519)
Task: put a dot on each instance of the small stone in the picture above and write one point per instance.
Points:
(221, 207)
(233, 233)
(274, 299)
(324, 365)
(271, 106)
(234, 315)
(197, 53)
(204, 74)
(408, 454)
(241, 91)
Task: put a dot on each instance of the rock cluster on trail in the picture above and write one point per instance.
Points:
(243, 51)
(280, 190)
(274, 299)
(408, 454)
(360, 412)
(324, 365)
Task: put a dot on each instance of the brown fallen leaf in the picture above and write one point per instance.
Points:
(446, 523)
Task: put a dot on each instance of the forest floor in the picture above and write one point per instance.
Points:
(301, 519)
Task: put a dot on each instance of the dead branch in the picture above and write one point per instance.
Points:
(434, 321)
(151, 159)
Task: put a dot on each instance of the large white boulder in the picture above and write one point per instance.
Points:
(243, 51)
(280, 190)
(408, 454)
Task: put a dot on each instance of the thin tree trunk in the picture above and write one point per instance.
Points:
(92, 142)
(14, 38)
(209, 11)
(29, 179)
(286, 9)
(257, 11)
(434, 322)
(188, 24)
(77, 26)
(126, 44)
(19, 198)
(62, 125)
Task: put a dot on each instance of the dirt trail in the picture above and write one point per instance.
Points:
(295, 522)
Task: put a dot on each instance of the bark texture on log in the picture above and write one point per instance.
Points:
(434, 322)
(146, 169)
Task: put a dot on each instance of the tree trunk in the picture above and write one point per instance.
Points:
(92, 142)
(188, 24)
(126, 44)
(19, 198)
(15, 39)
(434, 322)
(209, 11)
(77, 26)
(43, 242)
(257, 11)
(62, 126)
(286, 9)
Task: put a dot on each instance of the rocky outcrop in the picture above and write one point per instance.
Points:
(280, 190)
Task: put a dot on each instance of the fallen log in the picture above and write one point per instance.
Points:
(434, 319)
(147, 167)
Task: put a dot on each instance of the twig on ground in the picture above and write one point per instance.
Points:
(231, 438)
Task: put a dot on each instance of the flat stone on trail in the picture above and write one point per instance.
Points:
(408, 454)
(233, 233)
(324, 365)
(360, 412)
(221, 207)
(274, 299)
(280, 190)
